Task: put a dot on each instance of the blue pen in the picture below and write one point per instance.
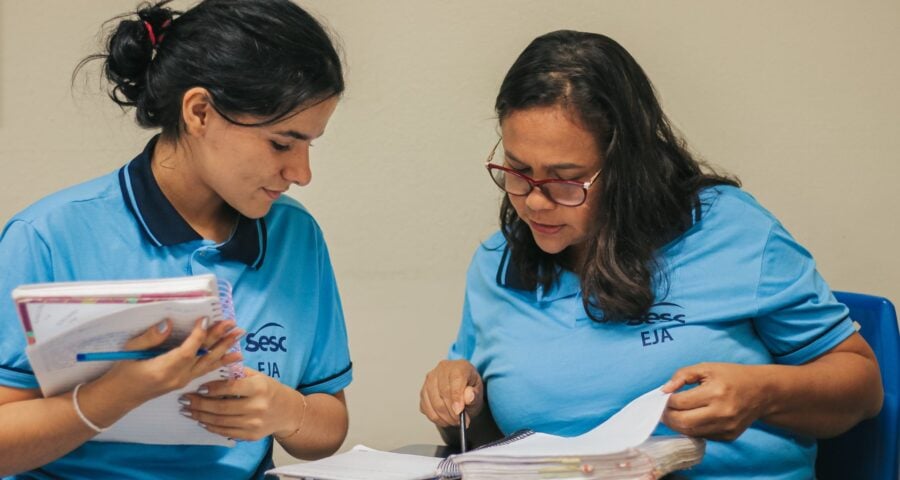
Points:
(126, 355)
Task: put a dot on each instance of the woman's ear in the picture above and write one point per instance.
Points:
(196, 110)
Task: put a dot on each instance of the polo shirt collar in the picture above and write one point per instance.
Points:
(510, 276)
(164, 226)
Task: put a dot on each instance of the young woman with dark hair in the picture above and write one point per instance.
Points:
(622, 265)
(238, 89)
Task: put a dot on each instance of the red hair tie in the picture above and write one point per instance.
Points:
(153, 40)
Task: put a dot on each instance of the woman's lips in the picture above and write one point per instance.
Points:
(273, 194)
(545, 229)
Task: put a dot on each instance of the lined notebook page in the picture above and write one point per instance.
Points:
(66, 329)
(53, 359)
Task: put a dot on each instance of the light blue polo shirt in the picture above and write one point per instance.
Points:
(740, 290)
(121, 226)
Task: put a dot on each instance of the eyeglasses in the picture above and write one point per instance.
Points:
(567, 193)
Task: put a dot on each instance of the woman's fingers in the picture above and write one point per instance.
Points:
(218, 354)
(152, 337)
(427, 407)
(451, 387)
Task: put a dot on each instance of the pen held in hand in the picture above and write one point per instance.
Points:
(125, 355)
(462, 431)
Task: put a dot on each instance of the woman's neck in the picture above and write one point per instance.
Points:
(200, 206)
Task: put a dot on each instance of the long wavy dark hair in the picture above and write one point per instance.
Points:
(650, 182)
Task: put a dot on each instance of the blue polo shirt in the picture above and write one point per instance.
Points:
(739, 290)
(121, 226)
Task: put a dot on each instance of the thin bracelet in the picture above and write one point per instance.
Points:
(83, 418)
(302, 419)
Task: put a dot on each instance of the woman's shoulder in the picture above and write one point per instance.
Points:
(288, 214)
(61, 205)
(732, 205)
(488, 256)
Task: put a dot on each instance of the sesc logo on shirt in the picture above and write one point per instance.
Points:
(269, 340)
(660, 322)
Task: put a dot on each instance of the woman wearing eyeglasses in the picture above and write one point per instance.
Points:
(621, 265)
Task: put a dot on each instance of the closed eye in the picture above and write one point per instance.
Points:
(522, 170)
(279, 146)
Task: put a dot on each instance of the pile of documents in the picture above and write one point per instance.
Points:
(620, 448)
(653, 459)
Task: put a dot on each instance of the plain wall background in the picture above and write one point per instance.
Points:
(799, 99)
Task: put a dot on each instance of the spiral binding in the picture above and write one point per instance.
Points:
(226, 304)
(450, 470)
(226, 301)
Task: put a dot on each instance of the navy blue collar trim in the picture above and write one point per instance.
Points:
(164, 226)
(508, 273)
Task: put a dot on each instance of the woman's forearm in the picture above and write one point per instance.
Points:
(38, 430)
(322, 421)
(827, 396)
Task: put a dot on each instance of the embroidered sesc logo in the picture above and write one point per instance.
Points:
(672, 314)
(272, 340)
(269, 338)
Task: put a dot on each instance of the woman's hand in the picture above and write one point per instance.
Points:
(727, 400)
(451, 386)
(142, 380)
(248, 408)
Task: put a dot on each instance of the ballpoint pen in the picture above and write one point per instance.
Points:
(462, 431)
(125, 355)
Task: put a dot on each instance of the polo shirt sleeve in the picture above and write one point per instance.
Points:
(464, 345)
(329, 369)
(798, 317)
(24, 258)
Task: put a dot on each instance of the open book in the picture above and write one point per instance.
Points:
(62, 320)
(620, 448)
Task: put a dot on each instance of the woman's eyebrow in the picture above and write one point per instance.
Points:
(554, 166)
(298, 135)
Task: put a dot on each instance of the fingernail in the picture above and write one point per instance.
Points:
(162, 326)
(201, 424)
(205, 323)
(457, 408)
(186, 413)
(470, 396)
(184, 400)
(203, 390)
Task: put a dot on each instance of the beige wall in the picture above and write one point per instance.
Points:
(800, 99)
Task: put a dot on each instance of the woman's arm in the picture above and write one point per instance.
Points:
(38, 430)
(318, 428)
(256, 406)
(822, 398)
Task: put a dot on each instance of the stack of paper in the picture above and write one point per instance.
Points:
(620, 448)
(653, 459)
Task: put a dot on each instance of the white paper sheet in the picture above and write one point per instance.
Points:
(364, 463)
(628, 428)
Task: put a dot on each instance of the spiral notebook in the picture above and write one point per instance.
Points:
(61, 320)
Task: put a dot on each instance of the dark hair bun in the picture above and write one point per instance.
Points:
(261, 59)
(130, 51)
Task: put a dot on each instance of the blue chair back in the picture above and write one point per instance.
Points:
(869, 451)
